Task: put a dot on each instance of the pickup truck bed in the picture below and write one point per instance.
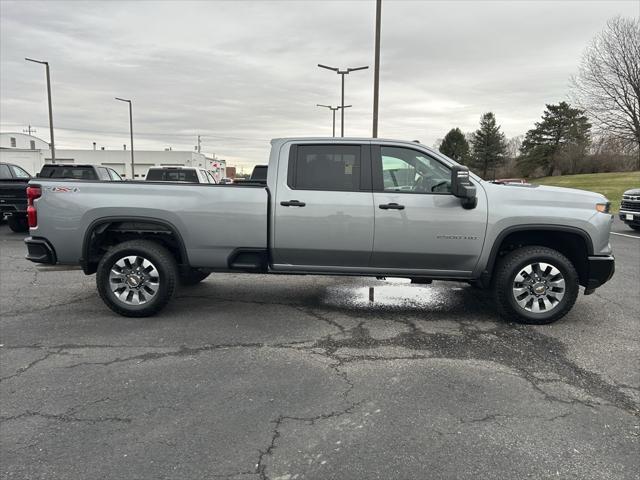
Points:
(331, 206)
(210, 219)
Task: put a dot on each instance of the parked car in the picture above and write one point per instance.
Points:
(79, 172)
(630, 208)
(225, 181)
(13, 196)
(332, 206)
(179, 174)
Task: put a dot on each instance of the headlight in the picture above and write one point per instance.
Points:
(603, 207)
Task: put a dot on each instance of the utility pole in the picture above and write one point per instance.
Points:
(52, 142)
(199, 143)
(130, 132)
(342, 73)
(376, 70)
(333, 110)
(29, 130)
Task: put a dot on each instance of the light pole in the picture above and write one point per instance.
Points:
(376, 70)
(53, 146)
(130, 132)
(342, 73)
(333, 110)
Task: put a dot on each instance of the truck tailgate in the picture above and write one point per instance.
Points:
(13, 195)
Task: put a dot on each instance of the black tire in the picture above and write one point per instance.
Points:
(192, 276)
(167, 274)
(512, 264)
(18, 223)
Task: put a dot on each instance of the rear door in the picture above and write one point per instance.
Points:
(324, 207)
(419, 224)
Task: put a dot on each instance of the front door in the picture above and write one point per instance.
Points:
(419, 224)
(324, 208)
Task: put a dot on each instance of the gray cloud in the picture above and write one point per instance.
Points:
(240, 73)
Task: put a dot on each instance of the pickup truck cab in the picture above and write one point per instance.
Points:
(366, 207)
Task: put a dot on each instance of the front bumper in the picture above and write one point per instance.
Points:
(632, 218)
(600, 271)
(40, 250)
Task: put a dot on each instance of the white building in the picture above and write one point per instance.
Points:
(16, 148)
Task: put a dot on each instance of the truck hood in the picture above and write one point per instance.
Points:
(545, 195)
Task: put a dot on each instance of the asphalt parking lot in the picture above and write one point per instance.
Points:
(246, 376)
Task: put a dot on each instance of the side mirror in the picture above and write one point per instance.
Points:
(462, 187)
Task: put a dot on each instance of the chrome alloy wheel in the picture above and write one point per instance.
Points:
(134, 280)
(538, 287)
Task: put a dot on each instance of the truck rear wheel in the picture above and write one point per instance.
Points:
(535, 285)
(137, 278)
(18, 223)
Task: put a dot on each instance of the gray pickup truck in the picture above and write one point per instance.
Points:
(335, 207)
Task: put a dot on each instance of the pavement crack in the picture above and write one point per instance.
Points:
(261, 467)
(184, 351)
(63, 417)
(21, 370)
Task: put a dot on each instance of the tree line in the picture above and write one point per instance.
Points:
(598, 132)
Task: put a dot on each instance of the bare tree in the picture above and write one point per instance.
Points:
(608, 82)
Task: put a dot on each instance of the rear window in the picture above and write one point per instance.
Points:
(60, 171)
(161, 175)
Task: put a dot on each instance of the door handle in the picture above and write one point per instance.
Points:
(391, 206)
(292, 203)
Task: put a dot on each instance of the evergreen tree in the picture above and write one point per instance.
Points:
(561, 137)
(455, 146)
(488, 146)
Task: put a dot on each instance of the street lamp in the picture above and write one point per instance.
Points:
(53, 147)
(130, 132)
(376, 70)
(333, 110)
(342, 73)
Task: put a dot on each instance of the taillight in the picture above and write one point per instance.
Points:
(33, 192)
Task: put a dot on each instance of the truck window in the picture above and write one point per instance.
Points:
(326, 167)
(177, 175)
(19, 172)
(411, 171)
(114, 175)
(5, 173)
(62, 171)
(259, 173)
(103, 174)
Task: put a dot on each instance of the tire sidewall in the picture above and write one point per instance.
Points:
(571, 287)
(18, 224)
(165, 275)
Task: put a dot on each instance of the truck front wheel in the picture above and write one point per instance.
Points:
(137, 278)
(535, 285)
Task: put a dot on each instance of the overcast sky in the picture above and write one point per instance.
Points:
(239, 73)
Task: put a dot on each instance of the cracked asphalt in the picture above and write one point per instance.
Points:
(291, 377)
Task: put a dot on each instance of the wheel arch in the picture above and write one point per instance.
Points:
(131, 226)
(572, 242)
